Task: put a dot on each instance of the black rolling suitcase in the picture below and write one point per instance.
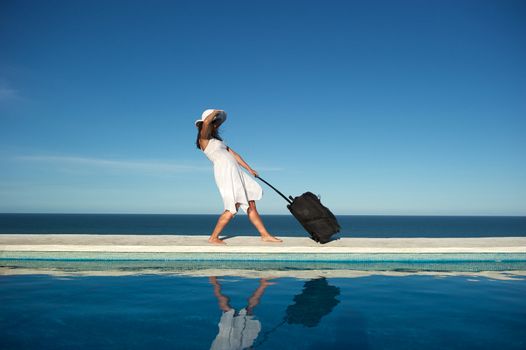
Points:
(318, 220)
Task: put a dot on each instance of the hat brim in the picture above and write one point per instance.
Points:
(219, 119)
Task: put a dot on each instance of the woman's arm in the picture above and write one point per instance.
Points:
(242, 162)
(206, 130)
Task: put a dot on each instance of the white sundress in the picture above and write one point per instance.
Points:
(236, 332)
(235, 185)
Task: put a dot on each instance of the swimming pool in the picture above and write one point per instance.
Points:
(229, 305)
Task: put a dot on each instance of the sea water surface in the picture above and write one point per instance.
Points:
(280, 225)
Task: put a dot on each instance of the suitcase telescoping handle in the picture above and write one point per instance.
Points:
(275, 189)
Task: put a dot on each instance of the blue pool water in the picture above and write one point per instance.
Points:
(164, 311)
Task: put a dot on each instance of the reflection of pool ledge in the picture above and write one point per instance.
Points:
(178, 247)
(246, 273)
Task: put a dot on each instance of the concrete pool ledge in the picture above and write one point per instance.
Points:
(244, 244)
(240, 247)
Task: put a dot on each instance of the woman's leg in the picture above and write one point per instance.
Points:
(254, 217)
(223, 220)
(224, 301)
(254, 299)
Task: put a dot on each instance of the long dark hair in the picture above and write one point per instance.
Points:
(214, 134)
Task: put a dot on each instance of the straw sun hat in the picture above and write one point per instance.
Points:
(221, 117)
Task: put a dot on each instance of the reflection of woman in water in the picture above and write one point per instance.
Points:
(237, 329)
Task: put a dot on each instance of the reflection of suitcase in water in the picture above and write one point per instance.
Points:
(317, 299)
(317, 220)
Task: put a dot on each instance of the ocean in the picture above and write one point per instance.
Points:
(279, 225)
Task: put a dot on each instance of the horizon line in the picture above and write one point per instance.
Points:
(244, 214)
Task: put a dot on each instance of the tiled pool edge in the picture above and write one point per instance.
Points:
(221, 256)
(249, 248)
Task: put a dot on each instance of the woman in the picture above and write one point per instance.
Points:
(236, 187)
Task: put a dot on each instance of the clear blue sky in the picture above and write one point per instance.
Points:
(381, 107)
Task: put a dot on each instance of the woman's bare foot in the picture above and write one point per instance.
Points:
(215, 241)
(270, 238)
